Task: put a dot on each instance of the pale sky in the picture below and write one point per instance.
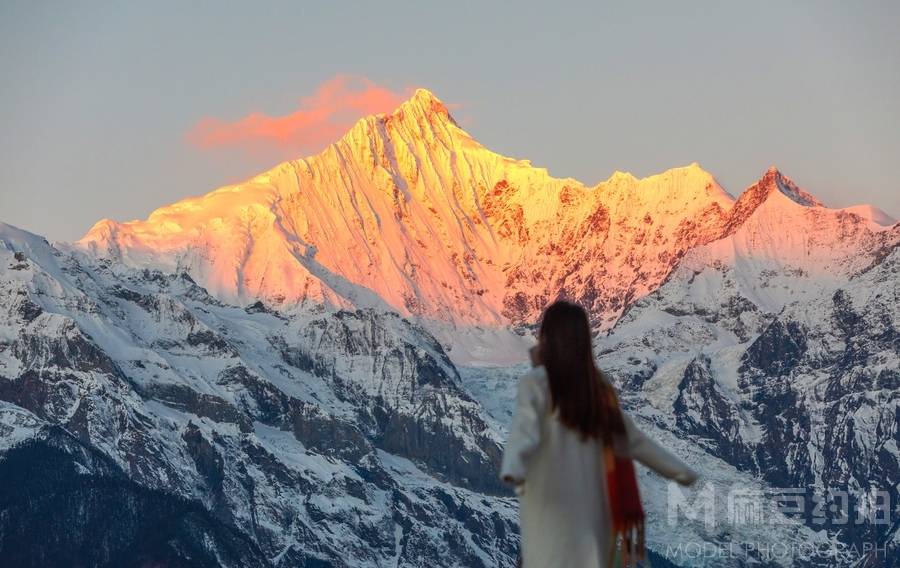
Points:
(100, 101)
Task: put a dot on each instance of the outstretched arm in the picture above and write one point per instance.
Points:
(652, 455)
(524, 432)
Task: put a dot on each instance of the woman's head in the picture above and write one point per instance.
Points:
(565, 331)
(585, 399)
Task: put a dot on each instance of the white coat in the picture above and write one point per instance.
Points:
(563, 507)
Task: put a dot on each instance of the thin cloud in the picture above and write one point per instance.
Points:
(320, 119)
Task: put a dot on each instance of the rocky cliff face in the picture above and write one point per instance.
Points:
(305, 437)
(778, 366)
(66, 504)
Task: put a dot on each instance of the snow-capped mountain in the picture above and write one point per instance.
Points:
(408, 211)
(777, 351)
(302, 369)
(342, 438)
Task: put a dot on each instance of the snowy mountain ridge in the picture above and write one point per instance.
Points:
(409, 210)
(315, 366)
(308, 435)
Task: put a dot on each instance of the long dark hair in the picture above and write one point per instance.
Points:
(585, 398)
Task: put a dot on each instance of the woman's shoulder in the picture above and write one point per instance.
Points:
(535, 387)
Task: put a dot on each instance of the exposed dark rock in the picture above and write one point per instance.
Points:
(260, 308)
(778, 349)
(66, 348)
(324, 433)
(47, 394)
(211, 340)
(21, 261)
(65, 505)
(201, 404)
(426, 439)
(29, 310)
(263, 401)
(208, 461)
(297, 357)
(701, 409)
(147, 302)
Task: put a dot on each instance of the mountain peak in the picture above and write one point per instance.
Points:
(424, 104)
(423, 116)
(774, 180)
(773, 187)
(425, 97)
(621, 176)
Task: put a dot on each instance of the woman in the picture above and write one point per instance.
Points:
(569, 455)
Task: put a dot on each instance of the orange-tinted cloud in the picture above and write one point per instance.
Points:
(321, 119)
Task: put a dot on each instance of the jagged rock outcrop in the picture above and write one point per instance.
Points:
(260, 438)
(777, 351)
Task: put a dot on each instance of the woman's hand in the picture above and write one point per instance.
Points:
(687, 478)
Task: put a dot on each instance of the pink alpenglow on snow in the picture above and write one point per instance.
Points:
(408, 210)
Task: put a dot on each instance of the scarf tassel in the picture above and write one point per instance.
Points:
(628, 548)
(628, 541)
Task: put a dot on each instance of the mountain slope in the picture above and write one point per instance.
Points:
(342, 438)
(65, 505)
(408, 210)
(775, 348)
(339, 437)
